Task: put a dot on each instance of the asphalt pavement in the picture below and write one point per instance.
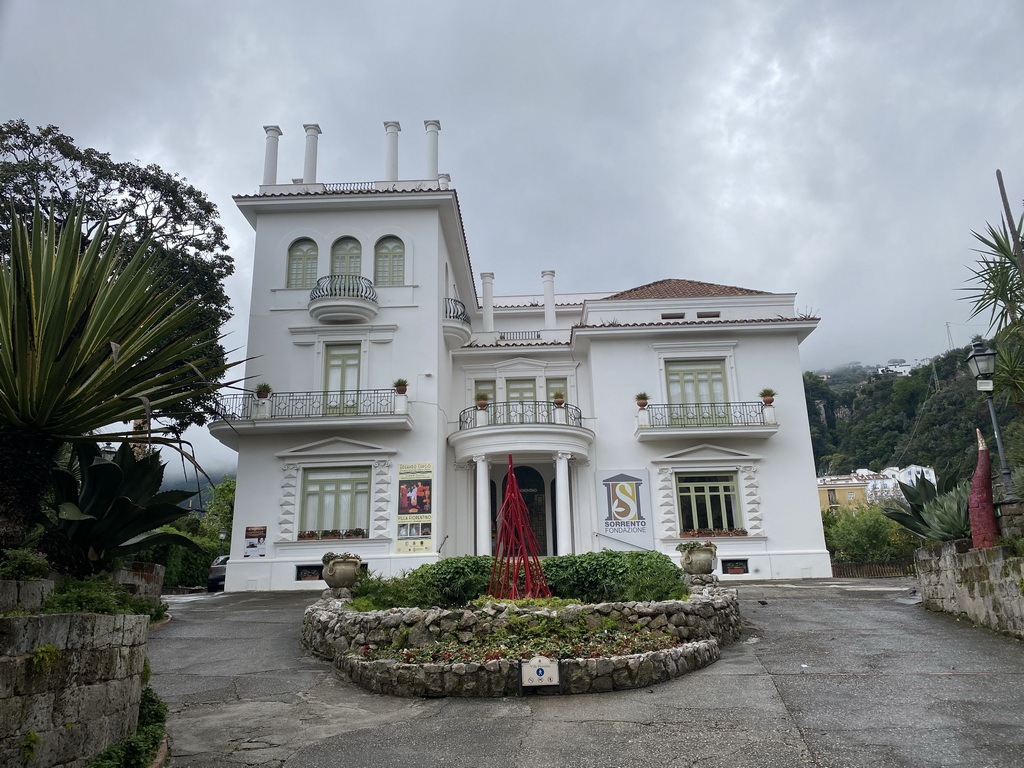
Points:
(837, 673)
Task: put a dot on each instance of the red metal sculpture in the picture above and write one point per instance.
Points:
(516, 572)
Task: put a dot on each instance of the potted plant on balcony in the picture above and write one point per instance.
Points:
(309, 574)
(355, 533)
(481, 400)
(641, 399)
(558, 398)
(767, 395)
(697, 556)
(263, 390)
(401, 386)
(308, 536)
(341, 570)
(333, 533)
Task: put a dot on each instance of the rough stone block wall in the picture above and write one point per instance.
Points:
(985, 585)
(330, 630)
(76, 701)
(24, 595)
(1011, 520)
(142, 579)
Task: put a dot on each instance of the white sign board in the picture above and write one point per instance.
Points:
(625, 515)
(540, 670)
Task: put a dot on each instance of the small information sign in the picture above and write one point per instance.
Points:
(540, 670)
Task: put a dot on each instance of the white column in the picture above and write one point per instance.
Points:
(563, 518)
(549, 298)
(270, 157)
(433, 128)
(483, 506)
(309, 163)
(391, 129)
(487, 278)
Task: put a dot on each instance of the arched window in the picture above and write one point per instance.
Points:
(389, 262)
(346, 257)
(302, 264)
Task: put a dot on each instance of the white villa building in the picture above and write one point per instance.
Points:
(358, 285)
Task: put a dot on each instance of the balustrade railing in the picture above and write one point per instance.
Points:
(343, 286)
(296, 405)
(350, 186)
(455, 310)
(671, 415)
(519, 412)
(518, 335)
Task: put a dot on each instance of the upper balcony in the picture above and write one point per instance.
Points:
(670, 421)
(244, 414)
(343, 299)
(457, 331)
(523, 426)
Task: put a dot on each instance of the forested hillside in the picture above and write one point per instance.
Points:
(862, 419)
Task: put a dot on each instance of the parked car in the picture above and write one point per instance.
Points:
(215, 581)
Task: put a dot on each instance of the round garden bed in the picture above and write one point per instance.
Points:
(689, 634)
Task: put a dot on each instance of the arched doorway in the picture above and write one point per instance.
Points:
(532, 486)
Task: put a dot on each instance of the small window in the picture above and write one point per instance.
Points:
(708, 315)
(673, 315)
(347, 257)
(389, 262)
(302, 258)
(707, 502)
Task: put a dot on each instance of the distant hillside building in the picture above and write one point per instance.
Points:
(867, 487)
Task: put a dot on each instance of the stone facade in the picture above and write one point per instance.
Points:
(142, 579)
(24, 595)
(1011, 520)
(331, 631)
(985, 585)
(69, 686)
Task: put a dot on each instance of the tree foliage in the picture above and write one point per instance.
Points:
(88, 337)
(44, 167)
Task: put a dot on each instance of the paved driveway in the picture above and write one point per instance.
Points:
(832, 674)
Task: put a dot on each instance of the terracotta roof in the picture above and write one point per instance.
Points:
(683, 289)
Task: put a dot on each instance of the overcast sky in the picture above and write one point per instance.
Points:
(842, 151)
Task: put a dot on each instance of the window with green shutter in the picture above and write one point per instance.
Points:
(302, 267)
(389, 262)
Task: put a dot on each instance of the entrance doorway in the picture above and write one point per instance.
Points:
(538, 505)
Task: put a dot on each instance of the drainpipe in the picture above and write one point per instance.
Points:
(270, 157)
(309, 165)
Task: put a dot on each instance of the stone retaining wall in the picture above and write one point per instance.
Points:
(330, 631)
(24, 595)
(986, 585)
(60, 708)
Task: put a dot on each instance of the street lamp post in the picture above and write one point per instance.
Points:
(982, 363)
(223, 536)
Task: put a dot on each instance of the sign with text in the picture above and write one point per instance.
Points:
(625, 512)
(415, 509)
(540, 670)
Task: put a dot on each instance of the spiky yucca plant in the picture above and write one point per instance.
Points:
(88, 338)
(936, 514)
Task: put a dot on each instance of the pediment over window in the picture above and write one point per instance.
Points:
(707, 453)
(336, 447)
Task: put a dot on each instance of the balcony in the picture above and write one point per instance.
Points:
(521, 426)
(457, 331)
(697, 420)
(356, 409)
(343, 299)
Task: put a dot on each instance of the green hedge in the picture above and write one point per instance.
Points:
(185, 567)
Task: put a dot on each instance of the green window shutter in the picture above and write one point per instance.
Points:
(389, 262)
(302, 264)
(346, 257)
(707, 502)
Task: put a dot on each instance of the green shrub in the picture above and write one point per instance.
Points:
(452, 581)
(864, 534)
(186, 567)
(609, 575)
(23, 565)
(375, 593)
(99, 595)
(139, 750)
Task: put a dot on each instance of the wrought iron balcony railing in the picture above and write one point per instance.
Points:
(343, 287)
(519, 412)
(750, 414)
(455, 310)
(297, 405)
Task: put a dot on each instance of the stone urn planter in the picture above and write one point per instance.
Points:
(341, 572)
(698, 557)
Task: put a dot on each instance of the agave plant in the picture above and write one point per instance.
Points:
(88, 338)
(938, 514)
(115, 510)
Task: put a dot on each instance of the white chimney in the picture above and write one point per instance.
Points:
(309, 165)
(391, 128)
(487, 278)
(270, 158)
(549, 298)
(432, 127)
